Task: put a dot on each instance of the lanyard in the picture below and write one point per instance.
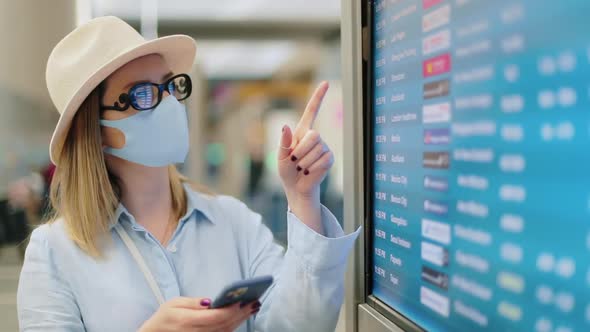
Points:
(149, 277)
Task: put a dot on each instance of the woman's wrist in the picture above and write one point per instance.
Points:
(307, 208)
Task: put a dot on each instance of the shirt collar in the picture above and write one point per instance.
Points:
(196, 201)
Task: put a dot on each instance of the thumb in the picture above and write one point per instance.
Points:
(194, 303)
(285, 144)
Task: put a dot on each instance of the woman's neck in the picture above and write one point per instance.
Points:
(146, 194)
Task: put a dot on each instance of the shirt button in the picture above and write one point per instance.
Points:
(172, 248)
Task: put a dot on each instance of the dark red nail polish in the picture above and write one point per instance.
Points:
(306, 172)
(293, 158)
(255, 311)
(256, 305)
(299, 169)
(205, 302)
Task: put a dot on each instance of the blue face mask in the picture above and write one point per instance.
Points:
(153, 138)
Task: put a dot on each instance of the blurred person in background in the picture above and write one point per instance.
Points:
(26, 194)
(31, 193)
(26, 201)
(255, 139)
(133, 245)
(22, 202)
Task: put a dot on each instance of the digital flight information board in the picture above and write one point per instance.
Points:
(480, 163)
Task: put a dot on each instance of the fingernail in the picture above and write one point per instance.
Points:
(293, 158)
(255, 311)
(299, 169)
(205, 302)
(256, 305)
(285, 126)
(306, 172)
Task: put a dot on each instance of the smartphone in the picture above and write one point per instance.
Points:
(243, 291)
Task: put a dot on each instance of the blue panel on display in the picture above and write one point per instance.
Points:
(481, 143)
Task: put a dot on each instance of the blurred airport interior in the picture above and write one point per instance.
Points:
(257, 63)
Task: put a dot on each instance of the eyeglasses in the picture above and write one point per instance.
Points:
(147, 95)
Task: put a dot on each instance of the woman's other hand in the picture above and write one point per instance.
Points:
(193, 314)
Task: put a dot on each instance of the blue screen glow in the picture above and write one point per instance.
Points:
(481, 139)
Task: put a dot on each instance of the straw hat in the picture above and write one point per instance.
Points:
(93, 51)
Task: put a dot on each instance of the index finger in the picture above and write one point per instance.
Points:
(189, 303)
(311, 110)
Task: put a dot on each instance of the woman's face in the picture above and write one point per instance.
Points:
(150, 68)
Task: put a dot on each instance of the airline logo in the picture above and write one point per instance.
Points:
(437, 136)
(436, 231)
(434, 254)
(429, 3)
(435, 160)
(436, 183)
(438, 279)
(436, 42)
(436, 113)
(437, 18)
(438, 65)
(436, 89)
(434, 301)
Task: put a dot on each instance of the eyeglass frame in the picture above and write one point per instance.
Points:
(125, 98)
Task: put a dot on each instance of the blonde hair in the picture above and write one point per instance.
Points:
(84, 194)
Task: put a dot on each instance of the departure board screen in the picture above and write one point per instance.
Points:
(480, 163)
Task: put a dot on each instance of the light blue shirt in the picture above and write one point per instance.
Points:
(217, 242)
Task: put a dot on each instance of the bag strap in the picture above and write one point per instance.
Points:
(140, 262)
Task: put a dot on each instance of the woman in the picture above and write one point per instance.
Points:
(133, 247)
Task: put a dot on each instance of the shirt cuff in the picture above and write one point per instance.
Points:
(316, 250)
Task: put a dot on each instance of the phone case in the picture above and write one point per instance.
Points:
(243, 291)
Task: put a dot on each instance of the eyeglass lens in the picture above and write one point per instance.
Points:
(146, 95)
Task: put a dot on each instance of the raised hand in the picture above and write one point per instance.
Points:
(304, 162)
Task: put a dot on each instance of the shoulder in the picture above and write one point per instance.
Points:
(224, 208)
(214, 202)
(50, 233)
(229, 203)
(52, 238)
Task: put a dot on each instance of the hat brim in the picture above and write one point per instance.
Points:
(177, 50)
